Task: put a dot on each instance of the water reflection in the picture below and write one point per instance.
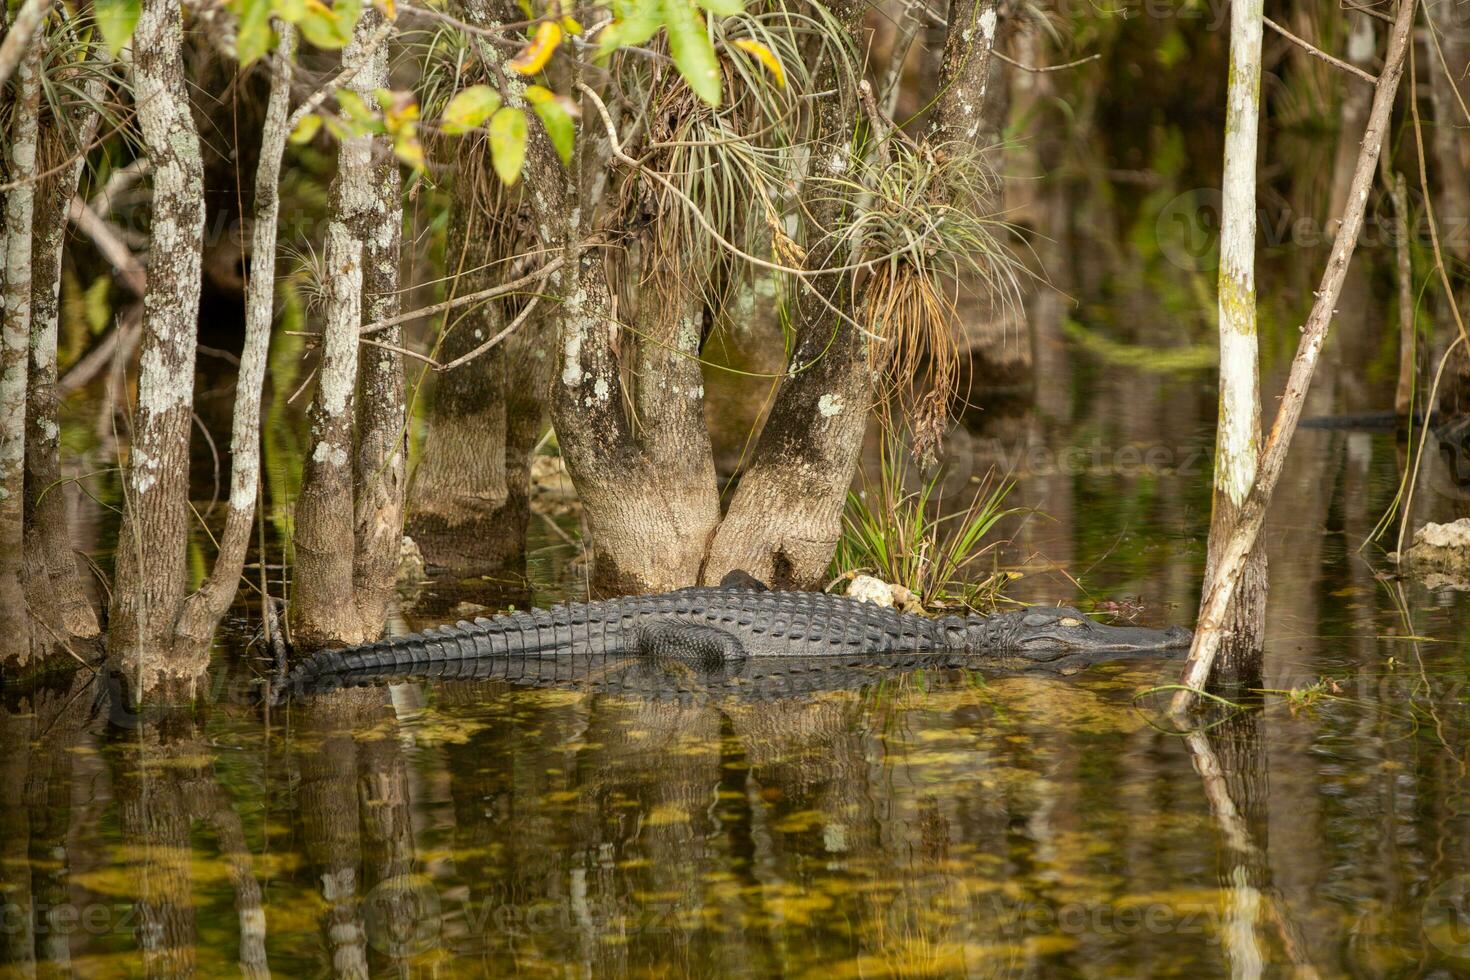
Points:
(933, 822)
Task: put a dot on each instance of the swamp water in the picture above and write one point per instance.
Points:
(938, 823)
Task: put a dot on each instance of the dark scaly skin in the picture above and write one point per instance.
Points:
(721, 628)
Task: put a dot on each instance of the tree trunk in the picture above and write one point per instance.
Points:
(470, 502)
(203, 610)
(1220, 587)
(151, 577)
(649, 511)
(1238, 436)
(381, 461)
(53, 584)
(349, 514)
(15, 322)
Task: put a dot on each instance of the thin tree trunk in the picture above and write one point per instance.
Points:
(151, 576)
(970, 106)
(202, 611)
(15, 323)
(1220, 588)
(1238, 436)
(1403, 398)
(53, 582)
(15, 45)
(328, 610)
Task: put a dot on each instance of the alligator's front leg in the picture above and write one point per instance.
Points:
(698, 645)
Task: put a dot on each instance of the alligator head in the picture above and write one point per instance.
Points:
(1044, 634)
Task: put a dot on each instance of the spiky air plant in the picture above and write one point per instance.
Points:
(923, 232)
(733, 161)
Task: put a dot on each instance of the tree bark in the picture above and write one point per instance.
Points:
(470, 501)
(784, 520)
(648, 510)
(1220, 589)
(53, 583)
(1238, 434)
(202, 611)
(151, 577)
(350, 509)
(15, 323)
(381, 460)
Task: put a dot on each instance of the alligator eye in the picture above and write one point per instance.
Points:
(1069, 621)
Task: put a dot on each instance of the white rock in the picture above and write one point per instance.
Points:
(866, 588)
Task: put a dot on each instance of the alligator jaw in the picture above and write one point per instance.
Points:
(1045, 635)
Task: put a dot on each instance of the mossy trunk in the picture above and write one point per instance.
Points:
(1238, 438)
(349, 516)
(54, 587)
(15, 323)
(151, 578)
(470, 502)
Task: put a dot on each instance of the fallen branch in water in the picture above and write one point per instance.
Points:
(1252, 517)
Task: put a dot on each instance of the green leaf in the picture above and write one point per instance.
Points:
(117, 19)
(723, 8)
(637, 21)
(508, 143)
(363, 119)
(305, 130)
(469, 108)
(693, 53)
(556, 119)
(329, 27)
(253, 34)
(289, 10)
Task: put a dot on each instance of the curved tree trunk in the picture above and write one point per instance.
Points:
(151, 577)
(203, 610)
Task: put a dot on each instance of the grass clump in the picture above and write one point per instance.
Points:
(903, 537)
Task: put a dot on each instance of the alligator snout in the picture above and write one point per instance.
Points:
(1064, 630)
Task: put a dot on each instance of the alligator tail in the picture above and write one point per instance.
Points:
(518, 634)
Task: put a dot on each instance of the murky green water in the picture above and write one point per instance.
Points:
(936, 824)
(924, 824)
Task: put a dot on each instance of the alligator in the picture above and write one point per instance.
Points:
(721, 629)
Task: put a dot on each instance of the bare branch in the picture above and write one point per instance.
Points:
(510, 328)
(458, 301)
(1317, 52)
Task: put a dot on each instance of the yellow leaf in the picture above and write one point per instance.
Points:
(536, 54)
(570, 25)
(406, 147)
(764, 55)
(469, 108)
(305, 130)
